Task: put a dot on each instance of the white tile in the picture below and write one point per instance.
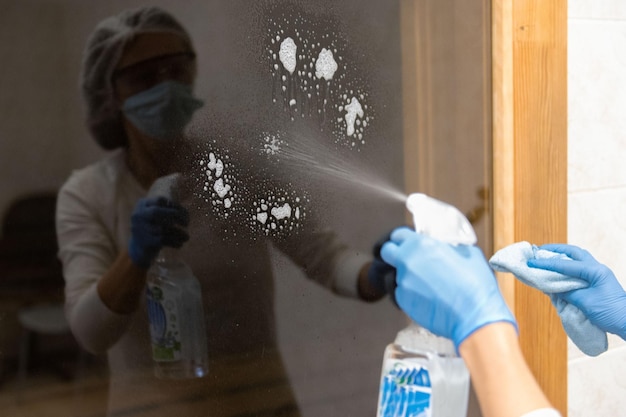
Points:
(597, 182)
(597, 386)
(596, 104)
(596, 62)
(579, 9)
(597, 9)
(595, 152)
(596, 222)
(616, 342)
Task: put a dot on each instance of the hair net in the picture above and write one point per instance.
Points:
(102, 53)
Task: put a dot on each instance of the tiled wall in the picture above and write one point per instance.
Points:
(597, 182)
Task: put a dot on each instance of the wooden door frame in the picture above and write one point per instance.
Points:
(529, 87)
(528, 152)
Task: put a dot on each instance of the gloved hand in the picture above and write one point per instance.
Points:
(604, 301)
(449, 290)
(382, 276)
(155, 223)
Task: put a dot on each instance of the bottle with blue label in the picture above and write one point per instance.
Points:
(176, 315)
(175, 309)
(422, 376)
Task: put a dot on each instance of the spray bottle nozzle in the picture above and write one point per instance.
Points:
(167, 186)
(440, 220)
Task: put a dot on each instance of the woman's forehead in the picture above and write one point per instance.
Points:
(149, 45)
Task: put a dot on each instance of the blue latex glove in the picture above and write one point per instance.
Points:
(156, 222)
(449, 290)
(604, 301)
(381, 275)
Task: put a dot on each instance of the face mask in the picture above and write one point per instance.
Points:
(163, 111)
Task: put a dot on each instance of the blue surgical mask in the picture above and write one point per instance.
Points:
(163, 111)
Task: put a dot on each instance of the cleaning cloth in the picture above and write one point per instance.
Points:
(590, 339)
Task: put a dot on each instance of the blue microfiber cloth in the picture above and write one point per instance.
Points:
(590, 339)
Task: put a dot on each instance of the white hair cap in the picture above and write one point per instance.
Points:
(102, 53)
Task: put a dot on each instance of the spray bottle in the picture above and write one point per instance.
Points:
(175, 311)
(422, 376)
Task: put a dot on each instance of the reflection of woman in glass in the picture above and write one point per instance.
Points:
(137, 80)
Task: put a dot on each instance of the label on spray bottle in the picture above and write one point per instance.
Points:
(164, 323)
(405, 390)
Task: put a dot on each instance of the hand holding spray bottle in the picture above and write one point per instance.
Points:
(175, 309)
(422, 375)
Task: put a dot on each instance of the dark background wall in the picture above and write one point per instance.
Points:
(333, 346)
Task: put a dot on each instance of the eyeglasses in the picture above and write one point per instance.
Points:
(146, 74)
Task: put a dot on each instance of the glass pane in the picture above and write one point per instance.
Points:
(293, 168)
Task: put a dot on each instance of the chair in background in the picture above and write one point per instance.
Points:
(29, 268)
(30, 272)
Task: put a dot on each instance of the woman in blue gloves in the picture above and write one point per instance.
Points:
(451, 291)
